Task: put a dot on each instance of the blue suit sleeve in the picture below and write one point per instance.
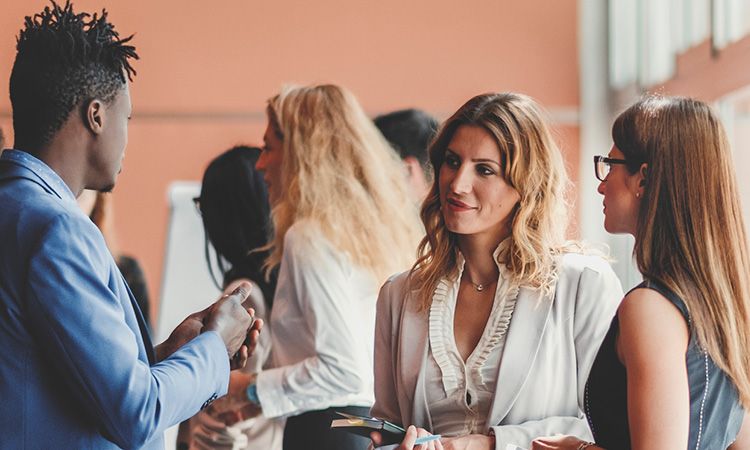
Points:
(85, 323)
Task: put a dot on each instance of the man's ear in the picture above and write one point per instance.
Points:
(412, 165)
(93, 116)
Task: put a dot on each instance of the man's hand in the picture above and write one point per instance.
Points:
(248, 346)
(229, 318)
(233, 322)
(251, 340)
(184, 333)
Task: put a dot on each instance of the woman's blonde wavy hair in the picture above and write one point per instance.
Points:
(339, 171)
(532, 164)
(690, 234)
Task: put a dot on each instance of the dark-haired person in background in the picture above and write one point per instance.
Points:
(410, 131)
(237, 218)
(237, 222)
(78, 369)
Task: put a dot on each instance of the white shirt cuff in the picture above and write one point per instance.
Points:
(273, 399)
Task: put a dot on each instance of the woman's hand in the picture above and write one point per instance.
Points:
(560, 443)
(211, 433)
(412, 433)
(236, 400)
(469, 442)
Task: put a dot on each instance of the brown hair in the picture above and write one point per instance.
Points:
(690, 234)
(532, 164)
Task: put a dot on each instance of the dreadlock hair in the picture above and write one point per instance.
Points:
(64, 60)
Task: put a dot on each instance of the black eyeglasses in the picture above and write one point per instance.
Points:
(602, 166)
(197, 203)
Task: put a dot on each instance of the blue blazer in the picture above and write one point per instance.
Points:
(77, 368)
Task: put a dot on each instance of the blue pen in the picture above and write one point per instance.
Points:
(426, 439)
(419, 441)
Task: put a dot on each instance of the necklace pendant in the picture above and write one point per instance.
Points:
(479, 287)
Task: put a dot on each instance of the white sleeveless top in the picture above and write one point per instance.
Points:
(459, 394)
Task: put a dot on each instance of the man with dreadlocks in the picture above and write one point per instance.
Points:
(77, 368)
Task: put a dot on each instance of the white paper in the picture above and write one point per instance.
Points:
(513, 447)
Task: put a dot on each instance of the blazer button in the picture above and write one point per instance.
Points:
(209, 401)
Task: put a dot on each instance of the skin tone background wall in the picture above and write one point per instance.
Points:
(206, 70)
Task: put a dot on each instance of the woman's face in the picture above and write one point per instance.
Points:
(270, 161)
(474, 196)
(621, 193)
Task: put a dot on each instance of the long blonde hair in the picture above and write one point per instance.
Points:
(690, 234)
(339, 171)
(532, 164)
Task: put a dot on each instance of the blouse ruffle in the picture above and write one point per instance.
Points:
(442, 339)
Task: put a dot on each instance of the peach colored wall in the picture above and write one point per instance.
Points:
(710, 75)
(207, 67)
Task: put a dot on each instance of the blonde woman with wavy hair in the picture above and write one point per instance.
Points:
(674, 369)
(343, 222)
(488, 339)
(339, 172)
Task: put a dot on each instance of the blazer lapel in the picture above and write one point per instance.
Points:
(521, 346)
(142, 327)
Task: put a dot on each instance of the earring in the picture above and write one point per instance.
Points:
(637, 195)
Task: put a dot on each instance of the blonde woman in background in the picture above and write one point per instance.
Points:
(674, 369)
(489, 338)
(343, 222)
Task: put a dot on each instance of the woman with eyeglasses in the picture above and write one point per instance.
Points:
(674, 369)
(488, 340)
(236, 216)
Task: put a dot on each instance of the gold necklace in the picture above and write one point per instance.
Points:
(479, 287)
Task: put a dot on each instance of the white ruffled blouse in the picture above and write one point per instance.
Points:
(459, 394)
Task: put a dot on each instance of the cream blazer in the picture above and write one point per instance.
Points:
(550, 347)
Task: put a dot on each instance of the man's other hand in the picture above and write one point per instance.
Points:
(233, 322)
(184, 333)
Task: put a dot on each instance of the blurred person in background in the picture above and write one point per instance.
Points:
(99, 206)
(410, 132)
(489, 338)
(236, 217)
(674, 369)
(344, 222)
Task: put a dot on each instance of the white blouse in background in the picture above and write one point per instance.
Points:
(323, 329)
(459, 394)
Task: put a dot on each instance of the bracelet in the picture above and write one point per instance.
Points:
(252, 393)
(584, 445)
